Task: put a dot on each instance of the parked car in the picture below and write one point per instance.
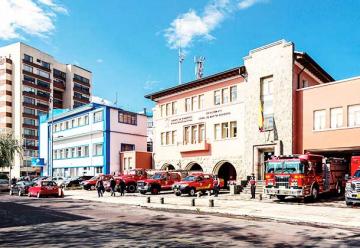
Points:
(194, 183)
(45, 188)
(37, 179)
(158, 182)
(76, 181)
(4, 185)
(21, 188)
(4, 176)
(60, 181)
(131, 177)
(91, 183)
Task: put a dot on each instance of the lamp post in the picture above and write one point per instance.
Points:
(51, 154)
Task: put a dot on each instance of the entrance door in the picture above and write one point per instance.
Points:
(264, 155)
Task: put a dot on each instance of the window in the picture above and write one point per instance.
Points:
(266, 97)
(86, 151)
(187, 135)
(217, 132)
(174, 108)
(225, 95)
(41, 113)
(173, 137)
(68, 152)
(201, 101)
(201, 133)
(29, 100)
(127, 117)
(29, 79)
(162, 138)
(336, 115)
(98, 150)
(73, 153)
(127, 147)
(233, 129)
(43, 73)
(30, 132)
(225, 130)
(98, 116)
(167, 138)
(43, 63)
(162, 110)
(305, 83)
(354, 116)
(29, 111)
(168, 109)
(194, 134)
(81, 79)
(233, 93)
(194, 103)
(187, 104)
(78, 152)
(217, 97)
(29, 90)
(28, 121)
(86, 119)
(27, 68)
(28, 58)
(319, 119)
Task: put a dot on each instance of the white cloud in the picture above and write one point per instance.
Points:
(150, 84)
(190, 26)
(99, 61)
(99, 100)
(18, 17)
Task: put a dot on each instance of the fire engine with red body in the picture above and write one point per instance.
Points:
(195, 182)
(303, 176)
(160, 181)
(352, 191)
(131, 177)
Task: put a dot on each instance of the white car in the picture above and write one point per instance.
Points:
(60, 181)
(4, 185)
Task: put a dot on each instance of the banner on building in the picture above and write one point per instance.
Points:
(261, 117)
(37, 162)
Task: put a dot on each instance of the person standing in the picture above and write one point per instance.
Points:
(253, 186)
(112, 186)
(122, 187)
(216, 186)
(100, 187)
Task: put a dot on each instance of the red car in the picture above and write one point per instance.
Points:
(160, 181)
(131, 178)
(45, 188)
(194, 183)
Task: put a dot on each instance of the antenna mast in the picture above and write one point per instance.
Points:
(181, 59)
(199, 67)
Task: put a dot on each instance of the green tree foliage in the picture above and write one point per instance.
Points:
(9, 146)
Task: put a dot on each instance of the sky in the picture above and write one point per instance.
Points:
(131, 46)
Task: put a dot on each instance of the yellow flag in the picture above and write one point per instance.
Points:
(261, 117)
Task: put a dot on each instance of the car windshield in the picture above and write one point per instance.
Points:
(273, 167)
(357, 173)
(292, 167)
(190, 178)
(158, 176)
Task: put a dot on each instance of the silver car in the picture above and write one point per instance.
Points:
(4, 185)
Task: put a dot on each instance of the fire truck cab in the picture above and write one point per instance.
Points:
(302, 176)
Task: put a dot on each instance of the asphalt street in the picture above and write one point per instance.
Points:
(53, 222)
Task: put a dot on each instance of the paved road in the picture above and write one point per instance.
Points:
(28, 222)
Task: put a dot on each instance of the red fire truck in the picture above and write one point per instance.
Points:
(352, 193)
(306, 175)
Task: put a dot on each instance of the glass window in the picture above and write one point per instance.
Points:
(98, 116)
(233, 129)
(194, 103)
(28, 121)
(217, 97)
(28, 58)
(73, 153)
(201, 101)
(225, 95)
(187, 135)
(29, 111)
(31, 132)
(162, 138)
(225, 130)
(78, 152)
(127, 147)
(336, 115)
(28, 68)
(29, 100)
(168, 109)
(217, 132)
(201, 133)
(98, 150)
(167, 138)
(162, 110)
(233, 93)
(194, 134)
(354, 116)
(86, 150)
(187, 104)
(174, 108)
(319, 119)
(42, 73)
(127, 118)
(173, 137)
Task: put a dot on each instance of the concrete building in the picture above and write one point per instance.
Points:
(229, 123)
(89, 139)
(31, 83)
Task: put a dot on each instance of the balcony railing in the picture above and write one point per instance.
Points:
(202, 146)
(81, 90)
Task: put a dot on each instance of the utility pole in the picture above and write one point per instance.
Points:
(181, 59)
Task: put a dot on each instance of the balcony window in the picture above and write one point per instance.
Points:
(29, 79)
(30, 132)
(27, 68)
(319, 119)
(81, 79)
(29, 100)
(354, 116)
(43, 63)
(336, 115)
(43, 83)
(29, 111)
(217, 97)
(42, 73)
(28, 58)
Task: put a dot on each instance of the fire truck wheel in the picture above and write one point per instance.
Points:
(154, 190)
(192, 192)
(348, 203)
(131, 188)
(281, 197)
(314, 193)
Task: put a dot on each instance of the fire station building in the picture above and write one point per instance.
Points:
(229, 123)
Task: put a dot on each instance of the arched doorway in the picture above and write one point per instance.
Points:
(226, 171)
(194, 167)
(168, 167)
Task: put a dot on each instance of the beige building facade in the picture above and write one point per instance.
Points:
(31, 83)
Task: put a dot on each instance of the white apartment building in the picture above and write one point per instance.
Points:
(31, 83)
(88, 140)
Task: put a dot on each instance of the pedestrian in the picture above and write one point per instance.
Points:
(216, 186)
(253, 186)
(122, 187)
(13, 181)
(112, 186)
(100, 187)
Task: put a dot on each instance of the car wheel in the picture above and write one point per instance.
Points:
(281, 197)
(19, 193)
(314, 193)
(92, 187)
(131, 188)
(142, 192)
(154, 190)
(178, 193)
(38, 195)
(192, 192)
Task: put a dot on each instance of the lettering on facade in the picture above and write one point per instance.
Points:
(214, 114)
(181, 120)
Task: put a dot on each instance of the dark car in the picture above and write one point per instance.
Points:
(21, 188)
(76, 182)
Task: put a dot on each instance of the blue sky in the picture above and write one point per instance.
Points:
(129, 45)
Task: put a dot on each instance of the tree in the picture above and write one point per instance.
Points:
(9, 146)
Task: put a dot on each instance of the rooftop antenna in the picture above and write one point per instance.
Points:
(199, 66)
(181, 59)
(116, 99)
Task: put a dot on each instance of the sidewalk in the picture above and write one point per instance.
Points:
(237, 205)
